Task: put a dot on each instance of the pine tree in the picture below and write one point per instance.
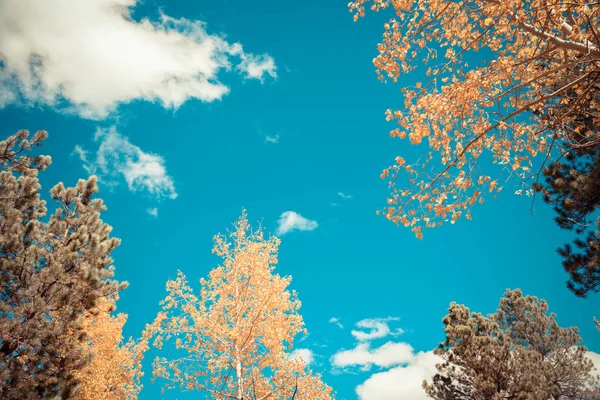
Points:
(520, 352)
(51, 272)
(572, 186)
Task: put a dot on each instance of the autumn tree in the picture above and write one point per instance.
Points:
(520, 352)
(543, 55)
(234, 337)
(51, 272)
(115, 369)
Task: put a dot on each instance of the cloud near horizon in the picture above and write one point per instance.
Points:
(291, 221)
(401, 382)
(401, 371)
(87, 57)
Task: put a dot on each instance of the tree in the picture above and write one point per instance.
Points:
(543, 54)
(234, 337)
(572, 185)
(115, 369)
(51, 272)
(520, 352)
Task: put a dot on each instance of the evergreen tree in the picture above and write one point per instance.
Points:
(520, 352)
(51, 272)
(572, 185)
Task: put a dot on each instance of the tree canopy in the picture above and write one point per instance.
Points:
(51, 273)
(542, 55)
(520, 352)
(235, 337)
(115, 369)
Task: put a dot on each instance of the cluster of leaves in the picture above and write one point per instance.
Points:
(236, 336)
(540, 51)
(520, 352)
(115, 369)
(53, 274)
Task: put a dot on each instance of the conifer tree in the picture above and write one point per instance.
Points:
(572, 186)
(520, 352)
(233, 339)
(51, 272)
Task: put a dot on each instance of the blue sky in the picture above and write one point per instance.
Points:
(296, 120)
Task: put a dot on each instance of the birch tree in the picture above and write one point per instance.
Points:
(234, 338)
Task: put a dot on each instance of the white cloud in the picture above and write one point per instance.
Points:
(90, 56)
(401, 382)
(403, 369)
(407, 370)
(272, 139)
(595, 357)
(305, 355)
(404, 382)
(117, 156)
(256, 67)
(345, 196)
(334, 320)
(363, 356)
(83, 156)
(153, 211)
(290, 220)
(377, 328)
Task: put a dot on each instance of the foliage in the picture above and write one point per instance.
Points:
(50, 274)
(572, 185)
(539, 50)
(115, 368)
(235, 337)
(520, 352)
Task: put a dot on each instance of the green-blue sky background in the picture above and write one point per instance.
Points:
(327, 109)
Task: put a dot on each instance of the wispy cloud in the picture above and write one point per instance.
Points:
(334, 320)
(117, 156)
(345, 196)
(376, 328)
(272, 139)
(256, 67)
(291, 220)
(169, 60)
(364, 356)
(152, 211)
